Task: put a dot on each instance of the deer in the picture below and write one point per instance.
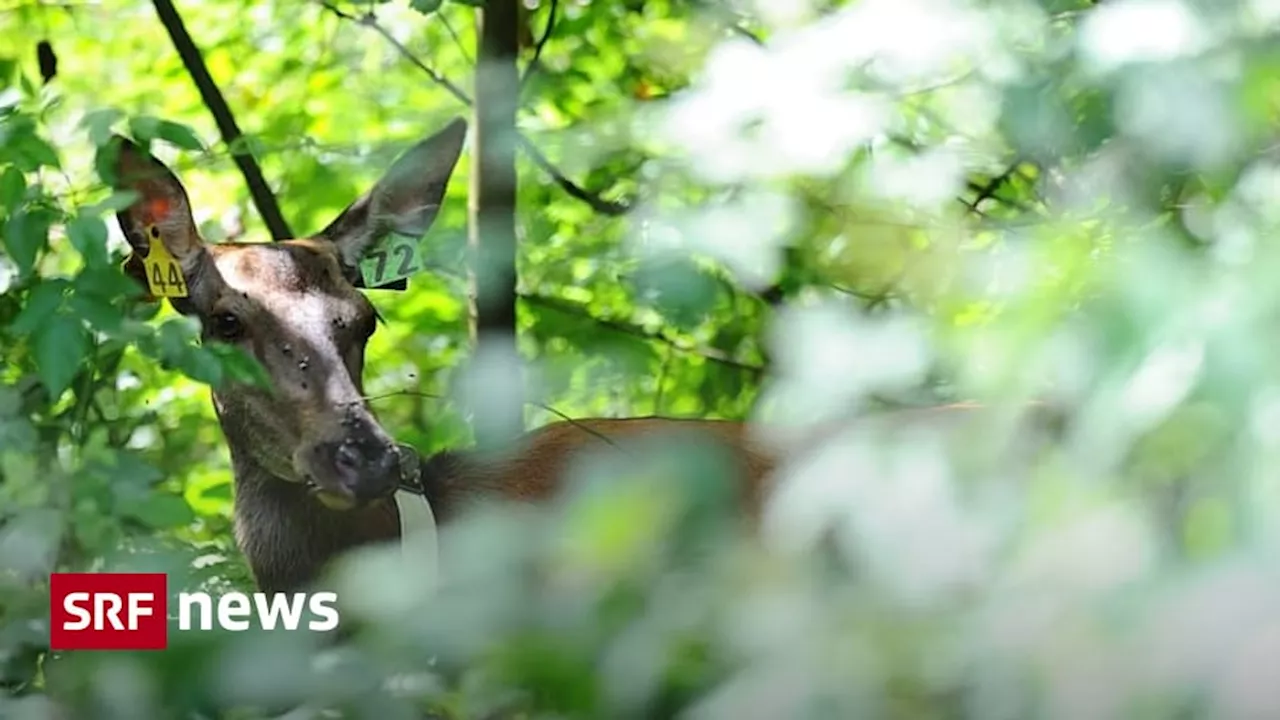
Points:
(315, 473)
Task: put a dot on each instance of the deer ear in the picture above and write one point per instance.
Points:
(404, 201)
(162, 212)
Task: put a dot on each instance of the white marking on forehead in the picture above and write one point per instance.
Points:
(274, 268)
(308, 311)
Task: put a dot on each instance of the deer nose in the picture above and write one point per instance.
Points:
(366, 469)
(347, 459)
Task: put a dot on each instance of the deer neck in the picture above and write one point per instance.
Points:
(286, 535)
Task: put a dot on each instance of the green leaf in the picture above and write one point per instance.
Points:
(175, 347)
(470, 3)
(426, 7)
(106, 284)
(201, 366)
(146, 127)
(33, 149)
(161, 511)
(42, 303)
(143, 127)
(113, 203)
(88, 236)
(7, 66)
(60, 346)
(239, 365)
(104, 162)
(100, 315)
(127, 468)
(247, 145)
(28, 87)
(25, 235)
(218, 492)
(12, 187)
(100, 123)
(678, 289)
(180, 135)
(16, 433)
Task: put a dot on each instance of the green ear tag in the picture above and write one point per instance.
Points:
(392, 258)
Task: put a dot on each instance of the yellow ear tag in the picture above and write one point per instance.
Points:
(392, 258)
(164, 274)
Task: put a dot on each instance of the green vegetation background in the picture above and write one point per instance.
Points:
(1106, 218)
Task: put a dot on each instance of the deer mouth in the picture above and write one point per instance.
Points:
(330, 498)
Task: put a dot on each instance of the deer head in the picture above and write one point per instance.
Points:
(295, 307)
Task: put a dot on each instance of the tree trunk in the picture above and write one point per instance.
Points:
(496, 387)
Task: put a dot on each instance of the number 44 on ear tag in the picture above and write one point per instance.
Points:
(392, 258)
(164, 274)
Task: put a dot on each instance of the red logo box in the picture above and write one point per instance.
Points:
(108, 611)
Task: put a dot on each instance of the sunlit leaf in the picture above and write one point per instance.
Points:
(25, 236)
(426, 7)
(146, 127)
(89, 237)
(42, 303)
(12, 187)
(159, 510)
(100, 122)
(60, 346)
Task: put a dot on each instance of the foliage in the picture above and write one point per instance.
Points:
(833, 207)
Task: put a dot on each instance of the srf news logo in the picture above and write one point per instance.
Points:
(129, 611)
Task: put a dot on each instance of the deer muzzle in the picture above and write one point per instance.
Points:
(353, 471)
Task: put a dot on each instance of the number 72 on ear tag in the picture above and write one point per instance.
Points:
(392, 258)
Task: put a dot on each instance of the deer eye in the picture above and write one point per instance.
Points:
(226, 327)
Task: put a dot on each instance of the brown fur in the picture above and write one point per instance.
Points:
(536, 467)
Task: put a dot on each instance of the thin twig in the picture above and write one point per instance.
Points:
(573, 422)
(261, 193)
(744, 32)
(542, 42)
(988, 191)
(370, 20)
(597, 203)
(612, 208)
(543, 406)
(457, 40)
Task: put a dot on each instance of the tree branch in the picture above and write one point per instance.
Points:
(611, 208)
(989, 190)
(263, 199)
(370, 20)
(534, 63)
(448, 26)
(597, 203)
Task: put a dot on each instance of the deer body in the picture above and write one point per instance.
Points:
(288, 537)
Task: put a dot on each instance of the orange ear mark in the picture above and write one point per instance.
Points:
(157, 209)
